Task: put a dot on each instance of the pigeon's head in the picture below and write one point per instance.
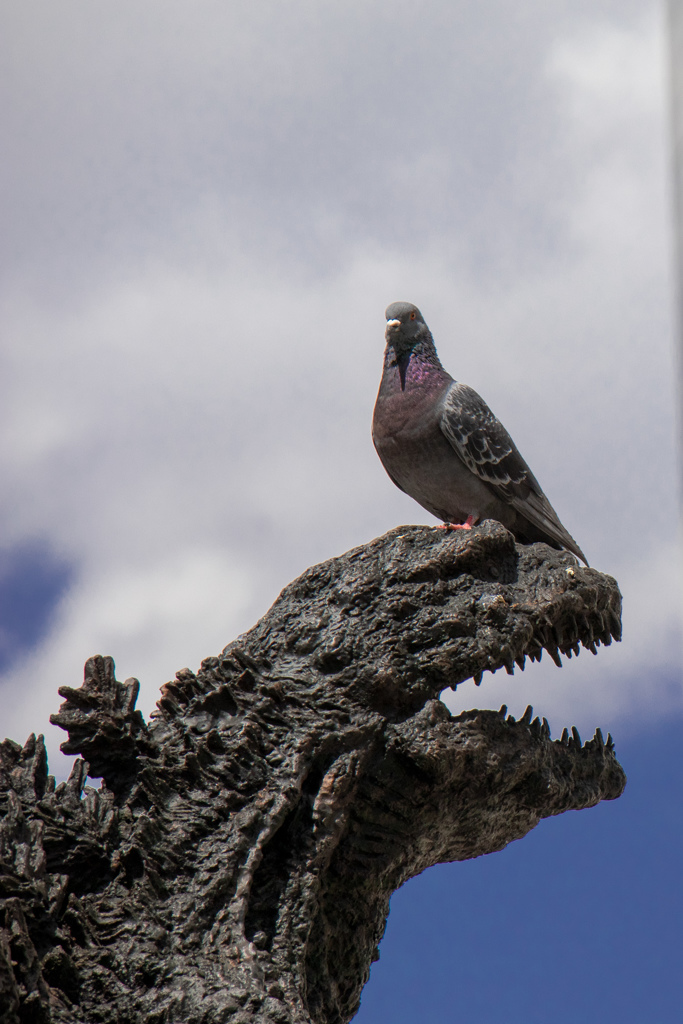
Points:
(405, 326)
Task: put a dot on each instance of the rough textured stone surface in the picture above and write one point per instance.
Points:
(238, 860)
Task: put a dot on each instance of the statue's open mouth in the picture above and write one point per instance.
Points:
(571, 607)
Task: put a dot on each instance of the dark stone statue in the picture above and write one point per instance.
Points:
(238, 860)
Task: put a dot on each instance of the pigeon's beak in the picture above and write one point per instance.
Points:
(390, 331)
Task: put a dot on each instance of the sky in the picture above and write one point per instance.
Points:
(207, 208)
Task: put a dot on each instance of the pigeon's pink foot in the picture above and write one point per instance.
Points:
(467, 525)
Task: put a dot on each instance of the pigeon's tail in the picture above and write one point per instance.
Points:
(571, 545)
(566, 540)
(539, 521)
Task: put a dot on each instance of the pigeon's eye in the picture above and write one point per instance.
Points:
(412, 316)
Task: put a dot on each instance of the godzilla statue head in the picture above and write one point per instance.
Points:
(238, 860)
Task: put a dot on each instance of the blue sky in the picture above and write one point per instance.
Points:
(32, 583)
(207, 209)
(580, 920)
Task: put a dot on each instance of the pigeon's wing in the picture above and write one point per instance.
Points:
(486, 448)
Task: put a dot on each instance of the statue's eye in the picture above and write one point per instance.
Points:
(412, 316)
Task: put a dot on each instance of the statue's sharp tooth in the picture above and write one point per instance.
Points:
(555, 655)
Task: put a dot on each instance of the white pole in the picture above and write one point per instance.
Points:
(675, 19)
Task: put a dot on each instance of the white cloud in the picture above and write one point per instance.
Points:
(152, 616)
(185, 412)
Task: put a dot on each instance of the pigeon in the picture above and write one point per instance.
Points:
(441, 444)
